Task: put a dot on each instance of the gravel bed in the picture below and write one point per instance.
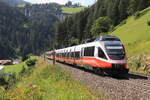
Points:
(130, 87)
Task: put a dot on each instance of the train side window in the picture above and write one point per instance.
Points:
(77, 55)
(72, 54)
(89, 51)
(101, 54)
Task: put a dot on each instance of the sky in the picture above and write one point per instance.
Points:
(83, 2)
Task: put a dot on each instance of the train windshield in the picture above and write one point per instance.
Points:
(115, 50)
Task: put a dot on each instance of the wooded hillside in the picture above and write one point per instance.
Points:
(31, 28)
(76, 29)
(26, 30)
(14, 2)
(12, 31)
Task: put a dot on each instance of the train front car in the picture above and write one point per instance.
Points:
(115, 55)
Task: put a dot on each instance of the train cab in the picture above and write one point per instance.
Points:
(113, 51)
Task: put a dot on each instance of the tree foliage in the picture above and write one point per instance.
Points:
(31, 29)
(101, 25)
(14, 2)
(80, 26)
(26, 30)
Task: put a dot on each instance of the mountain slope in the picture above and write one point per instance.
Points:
(78, 28)
(26, 30)
(45, 82)
(11, 30)
(14, 2)
(135, 34)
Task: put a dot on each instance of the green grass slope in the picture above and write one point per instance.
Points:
(14, 68)
(70, 10)
(135, 33)
(48, 82)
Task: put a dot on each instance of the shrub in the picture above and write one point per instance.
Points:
(8, 79)
(23, 71)
(136, 64)
(25, 57)
(148, 23)
(137, 15)
(31, 62)
(123, 22)
(101, 25)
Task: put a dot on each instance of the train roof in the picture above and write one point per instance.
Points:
(107, 38)
(102, 40)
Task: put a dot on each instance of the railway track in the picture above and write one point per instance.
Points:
(130, 87)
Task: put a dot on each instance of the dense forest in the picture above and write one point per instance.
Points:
(26, 30)
(11, 30)
(41, 25)
(31, 29)
(14, 2)
(101, 18)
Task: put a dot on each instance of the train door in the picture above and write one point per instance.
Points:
(81, 56)
(96, 51)
(74, 55)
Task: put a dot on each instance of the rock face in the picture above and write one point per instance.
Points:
(62, 16)
(36, 9)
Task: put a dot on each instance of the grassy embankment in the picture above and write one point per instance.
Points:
(135, 34)
(21, 5)
(70, 10)
(15, 68)
(47, 82)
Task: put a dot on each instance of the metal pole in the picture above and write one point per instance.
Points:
(54, 51)
(54, 57)
(44, 50)
(44, 56)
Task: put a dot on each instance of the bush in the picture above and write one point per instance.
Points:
(136, 64)
(23, 71)
(101, 25)
(8, 79)
(123, 22)
(148, 23)
(137, 15)
(25, 57)
(31, 62)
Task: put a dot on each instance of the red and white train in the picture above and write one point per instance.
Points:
(104, 54)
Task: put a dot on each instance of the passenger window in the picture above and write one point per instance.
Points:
(101, 54)
(77, 55)
(89, 51)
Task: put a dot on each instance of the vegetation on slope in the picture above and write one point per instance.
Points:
(77, 28)
(139, 63)
(48, 83)
(135, 34)
(11, 30)
(21, 5)
(14, 2)
(15, 68)
(28, 29)
(71, 10)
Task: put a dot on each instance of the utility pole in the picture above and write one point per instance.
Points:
(44, 50)
(54, 51)
(54, 57)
